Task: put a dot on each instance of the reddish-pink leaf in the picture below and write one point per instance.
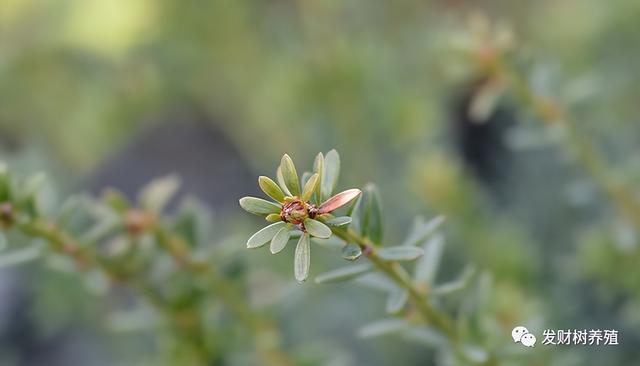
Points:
(338, 200)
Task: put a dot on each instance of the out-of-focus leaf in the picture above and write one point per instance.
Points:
(3, 242)
(373, 214)
(344, 273)
(485, 100)
(427, 267)
(317, 229)
(156, 195)
(310, 187)
(338, 221)
(100, 229)
(32, 185)
(264, 235)
(457, 285)
(422, 230)
(397, 300)
(338, 200)
(258, 206)
(400, 253)
(330, 173)
(20, 256)
(302, 258)
(476, 354)
(4, 183)
(318, 168)
(376, 281)
(290, 175)
(425, 335)
(116, 200)
(270, 188)
(280, 240)
(383, 327)
(351, 252)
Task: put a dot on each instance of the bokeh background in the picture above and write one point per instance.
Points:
(116, 92)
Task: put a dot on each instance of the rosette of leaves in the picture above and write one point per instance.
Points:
(300, 208)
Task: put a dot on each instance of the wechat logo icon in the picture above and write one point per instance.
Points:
(521, 334)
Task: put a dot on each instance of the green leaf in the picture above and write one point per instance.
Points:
(280, 240)
(338, 221)
(356, 214)
(264, 235)
(344, 274)
(270, 188)
(373, 214)
(289, 175)
(400, 253)
(397, 300)
(330, 174)
(157, 194)
(273, 217)
(318, 167)
(305, 178)
(281, 182)
(422, 230)
(426, 336)
(351, 252)
(383, 327)
(258, 206)
(3, 242)
(456, 285)
(5, 186)
(116, 200)
(20, 256)
(302, 258)
(317, 229)
(310, 187)
(427, 267)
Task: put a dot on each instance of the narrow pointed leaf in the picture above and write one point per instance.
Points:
(397, 300)
(280, 240)
(19, 256)
(400, 253)
(425, 335)
(344, 274)
(339, 200)
(270, 188)
(258, 206)
(264, 235)
(456, 285)
(330, 173)
(281, 182)
(317, 229)
(318, 167)
(422, 230)
(351, 252)
(373, 214)
(302, 258)
(116, 200)
(339, 221)
(310, 187)
(356, 214)
(383, 327)
(157, 194)
(290, 175)
(427, 266)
